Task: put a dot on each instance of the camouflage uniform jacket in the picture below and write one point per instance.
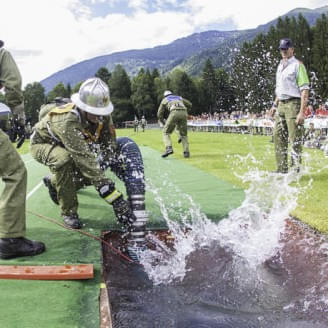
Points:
(171, 103)
(11, 80)
(67, 127)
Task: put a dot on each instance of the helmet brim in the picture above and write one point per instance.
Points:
(100, 111)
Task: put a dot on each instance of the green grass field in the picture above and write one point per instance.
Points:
(218, 154)
(76, 303)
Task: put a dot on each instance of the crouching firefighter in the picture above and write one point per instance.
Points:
(77, 142)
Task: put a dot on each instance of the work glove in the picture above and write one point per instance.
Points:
(123, 212)
(121, 207)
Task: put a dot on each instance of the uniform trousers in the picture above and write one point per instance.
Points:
(13, 197)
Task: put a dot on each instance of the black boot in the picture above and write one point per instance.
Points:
(168, 152)
(52, 189)
(15, 247)
(186, 154)
(72, 221)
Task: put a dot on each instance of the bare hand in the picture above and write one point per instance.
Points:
(299, 118)
(273, 111)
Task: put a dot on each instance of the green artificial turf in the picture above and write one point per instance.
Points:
(217, 154)
(181, 188)
(25, 304)
(53, 304)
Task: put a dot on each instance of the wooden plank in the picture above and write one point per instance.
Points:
(105, 313)
(47, 272)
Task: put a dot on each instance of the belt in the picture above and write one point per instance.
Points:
(284, 101)
(177, 109)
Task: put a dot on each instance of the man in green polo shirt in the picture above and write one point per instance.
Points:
(292, 92)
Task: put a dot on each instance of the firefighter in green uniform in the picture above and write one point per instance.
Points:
(292, 91)
(13, 171)
(135, 124)
(143, 123)
(63, 140)
(177, 108)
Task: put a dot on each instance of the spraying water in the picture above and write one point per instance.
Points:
(256, 268)
(252, 231)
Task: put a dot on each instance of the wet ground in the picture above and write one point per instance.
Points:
(219, 290)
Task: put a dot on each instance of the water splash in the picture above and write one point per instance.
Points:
(192, 230)
(252, 231)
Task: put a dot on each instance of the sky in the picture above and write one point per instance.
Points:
(45, 36)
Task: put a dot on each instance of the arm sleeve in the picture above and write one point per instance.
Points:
(187, 103)
(108, 144)
(160, 112)
(302, 78)
(11, 79)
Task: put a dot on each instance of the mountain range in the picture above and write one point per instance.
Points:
(188, 53)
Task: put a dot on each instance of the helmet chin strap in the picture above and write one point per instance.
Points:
(92, 137)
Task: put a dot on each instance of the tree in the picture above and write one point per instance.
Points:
(58, 91)
(120, 93)
(320, 57)
(103, 74)
(303, 39)
(155, 73)
(77, 87)
(208, 87)
(184, 86)
(254, 75)
(34, 97)
(143, 94)
(119, 83)
(160, 86)
(68, 90)
(225, 97)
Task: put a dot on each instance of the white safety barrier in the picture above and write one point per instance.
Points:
(247, 124)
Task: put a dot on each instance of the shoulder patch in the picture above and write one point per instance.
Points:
(62, 109)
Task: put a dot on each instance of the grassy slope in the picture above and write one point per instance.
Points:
(216, 153)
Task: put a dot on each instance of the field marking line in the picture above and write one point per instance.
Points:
(34, 190)
(30, 160)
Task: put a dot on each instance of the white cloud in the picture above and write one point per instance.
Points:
(46, 36)
(137, 4)
(246, 14)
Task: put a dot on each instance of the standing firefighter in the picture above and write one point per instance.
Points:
(77, 142)
(177, 108)
(135, 124)
(143, 123)
(13, 171)
(292, 91)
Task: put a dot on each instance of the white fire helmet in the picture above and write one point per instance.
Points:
(167, 93)
(93, 97)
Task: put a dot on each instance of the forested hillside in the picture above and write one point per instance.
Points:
(189, 53)
(247, 84)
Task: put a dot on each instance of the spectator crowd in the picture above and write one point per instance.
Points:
(316, 124)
